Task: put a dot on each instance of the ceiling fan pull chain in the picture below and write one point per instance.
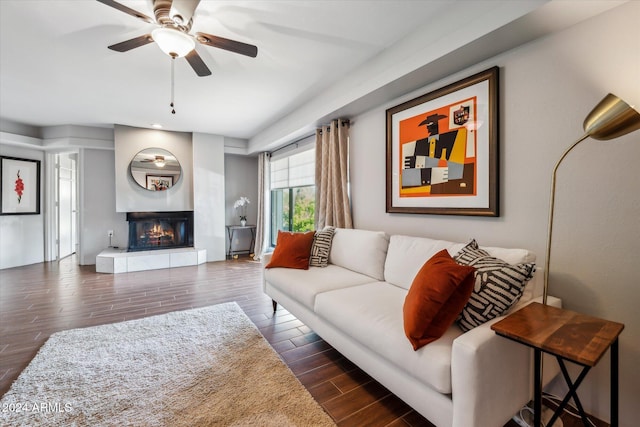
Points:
(173, 67)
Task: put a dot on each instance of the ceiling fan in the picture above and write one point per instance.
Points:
(174, 20)
(158, 160)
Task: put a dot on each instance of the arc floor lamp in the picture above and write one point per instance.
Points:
(610, 119)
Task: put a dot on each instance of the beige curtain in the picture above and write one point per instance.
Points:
(263, 206)
(333, 206)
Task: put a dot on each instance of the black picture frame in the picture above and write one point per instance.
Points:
(20, 187)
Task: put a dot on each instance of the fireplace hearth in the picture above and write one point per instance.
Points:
(160, 230)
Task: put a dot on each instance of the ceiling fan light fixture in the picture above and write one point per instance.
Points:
(174, 43)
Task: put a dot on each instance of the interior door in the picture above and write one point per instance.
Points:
(67, 215)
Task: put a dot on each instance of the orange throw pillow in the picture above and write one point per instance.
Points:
(435, 299)
(292, 250)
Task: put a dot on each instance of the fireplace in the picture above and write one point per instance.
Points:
(160, 230)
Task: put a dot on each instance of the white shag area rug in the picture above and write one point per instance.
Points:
(203, 367)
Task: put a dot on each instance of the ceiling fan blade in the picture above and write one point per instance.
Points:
(127, 10)
(132, 44)
(182, 11)
(197, 64)
(226, 44)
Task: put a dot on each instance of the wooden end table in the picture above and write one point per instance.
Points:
(567, 335)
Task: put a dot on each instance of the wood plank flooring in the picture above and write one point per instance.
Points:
(39, 300)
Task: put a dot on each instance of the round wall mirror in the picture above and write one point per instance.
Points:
(155, 169)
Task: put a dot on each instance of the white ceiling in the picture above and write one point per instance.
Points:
(55, 68)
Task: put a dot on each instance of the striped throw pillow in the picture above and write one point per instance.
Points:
(498, 285)
(321, 247)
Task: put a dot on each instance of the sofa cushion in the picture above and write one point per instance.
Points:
(304, 285)
(361, 251)
(498, 285)
(321, 247)
(408, 254)
(292, 250)
(372, 315)
(437, 295)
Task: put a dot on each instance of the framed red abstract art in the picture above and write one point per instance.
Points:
(20, 187)
(442, 150)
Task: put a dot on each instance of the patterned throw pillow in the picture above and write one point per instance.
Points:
(499, 285)
(321, 247)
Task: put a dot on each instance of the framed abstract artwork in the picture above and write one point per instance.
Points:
(442, 150)
(20, 187)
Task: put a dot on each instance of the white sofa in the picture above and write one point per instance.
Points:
(355, 303)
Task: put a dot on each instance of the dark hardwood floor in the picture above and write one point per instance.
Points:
(39, 300)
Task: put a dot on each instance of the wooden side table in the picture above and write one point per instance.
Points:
(567, 335)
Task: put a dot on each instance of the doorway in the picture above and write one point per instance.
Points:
(67, 204)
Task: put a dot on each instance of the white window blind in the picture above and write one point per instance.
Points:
(296, 170)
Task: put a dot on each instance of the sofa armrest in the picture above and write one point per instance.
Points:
(491, 376)
(266, 257)
(264, 260)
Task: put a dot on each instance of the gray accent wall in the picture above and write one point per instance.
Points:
(241, 174)
(98, 205)
(547, 87)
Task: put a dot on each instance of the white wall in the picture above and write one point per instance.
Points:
(98, 205)
(208, 188)
(547, 87)
(241, 180)
(130, 197)
(22, 236)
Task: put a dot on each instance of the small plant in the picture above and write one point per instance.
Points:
(241, 206)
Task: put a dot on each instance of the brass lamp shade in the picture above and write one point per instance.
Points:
(610, 119)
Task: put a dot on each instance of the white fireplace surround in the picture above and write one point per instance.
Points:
(115, 261)
(200, 188)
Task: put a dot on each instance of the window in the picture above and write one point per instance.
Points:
(293, 193)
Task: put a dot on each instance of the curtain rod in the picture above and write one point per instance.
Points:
(296, 142)
(345, 122)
